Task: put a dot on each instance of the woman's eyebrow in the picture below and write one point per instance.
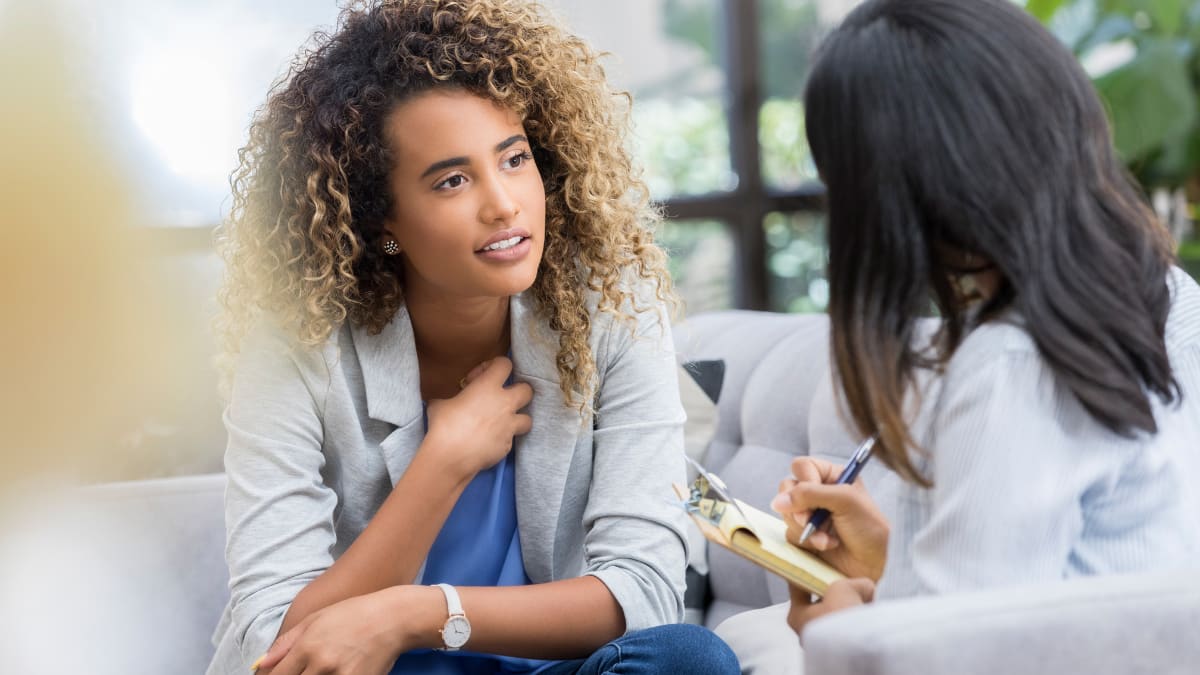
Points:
(445, 164)
(509, 141)
(463, 161)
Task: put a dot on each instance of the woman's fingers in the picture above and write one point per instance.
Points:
(474, 374)
(283, 644)
(496, 370)
(812, 496)
(813, 470)
(819, 540)
(786, 484)
(520, 394)
(850, 592)
(523, 424)
(840, 595)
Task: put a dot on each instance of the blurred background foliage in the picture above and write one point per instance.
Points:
(1144, 58)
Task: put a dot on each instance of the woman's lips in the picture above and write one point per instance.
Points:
(511, 253)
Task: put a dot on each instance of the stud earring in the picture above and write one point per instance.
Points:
(390, 247)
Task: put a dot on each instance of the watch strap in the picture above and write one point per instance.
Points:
(453, 603)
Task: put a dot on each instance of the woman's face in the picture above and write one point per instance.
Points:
(469, 206)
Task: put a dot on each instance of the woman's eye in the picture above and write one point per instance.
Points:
(517, 160)
(451, 182)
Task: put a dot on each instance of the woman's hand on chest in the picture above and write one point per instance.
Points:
(474, 429)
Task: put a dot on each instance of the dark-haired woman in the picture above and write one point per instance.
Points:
(454, 418)
(967, 158)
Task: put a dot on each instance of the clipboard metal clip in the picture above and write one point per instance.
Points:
(709, 496)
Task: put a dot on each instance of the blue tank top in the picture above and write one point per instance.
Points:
(477, 546)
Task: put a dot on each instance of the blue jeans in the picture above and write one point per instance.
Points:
(673, 649)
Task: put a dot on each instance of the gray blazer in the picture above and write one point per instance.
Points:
(318, 438)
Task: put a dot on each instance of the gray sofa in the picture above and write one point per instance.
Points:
(147, 579)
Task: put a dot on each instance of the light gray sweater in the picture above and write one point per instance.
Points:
(318, 438)
(1028, 487)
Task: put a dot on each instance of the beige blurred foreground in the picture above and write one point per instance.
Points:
(88, 350)
(87, 338)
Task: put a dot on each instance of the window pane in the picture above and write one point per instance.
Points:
(790, 30)
(701, 263)
(796, 261)
(665, 53)
(786, 161)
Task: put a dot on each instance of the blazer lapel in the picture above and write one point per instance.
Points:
(543, 456)
(391, 380)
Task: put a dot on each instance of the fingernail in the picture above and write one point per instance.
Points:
(254, 666)
(781, 501)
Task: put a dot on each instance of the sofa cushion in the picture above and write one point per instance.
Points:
(773, 364)
(115, 579)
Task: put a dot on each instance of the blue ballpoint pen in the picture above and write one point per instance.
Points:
(857, 461)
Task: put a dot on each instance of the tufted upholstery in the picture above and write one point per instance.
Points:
(776, 397)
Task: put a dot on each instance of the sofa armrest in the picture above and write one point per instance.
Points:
(113, 579)
(1115, 624)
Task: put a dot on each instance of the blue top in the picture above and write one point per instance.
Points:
(477, 546)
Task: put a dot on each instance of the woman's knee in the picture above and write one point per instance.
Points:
(686, 648)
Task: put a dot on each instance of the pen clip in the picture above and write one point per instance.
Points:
(863, 451)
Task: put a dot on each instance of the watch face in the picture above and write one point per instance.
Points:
(456, 632)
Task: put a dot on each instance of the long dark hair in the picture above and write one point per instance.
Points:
(965, 124)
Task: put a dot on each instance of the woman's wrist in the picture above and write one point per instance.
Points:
(449, 459)
(420, 612)
(444, 465)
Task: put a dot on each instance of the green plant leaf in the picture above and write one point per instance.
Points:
(1166, 15)
(1151, 99)
(1179, 161)
(1193, 24)
(1122, 7)
(1043, 9)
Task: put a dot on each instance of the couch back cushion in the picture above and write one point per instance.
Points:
(774, 365)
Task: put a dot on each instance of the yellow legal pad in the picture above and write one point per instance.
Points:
(757, 536)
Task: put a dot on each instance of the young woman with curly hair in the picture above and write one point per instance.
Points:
(453, 420)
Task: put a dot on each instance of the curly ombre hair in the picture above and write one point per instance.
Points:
(311, 193)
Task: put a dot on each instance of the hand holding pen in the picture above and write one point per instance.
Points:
(856, 543)
(850, 474)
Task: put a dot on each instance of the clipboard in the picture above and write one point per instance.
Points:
(753, 534)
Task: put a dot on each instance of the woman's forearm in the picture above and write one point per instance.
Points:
(391, 548)
(557, 620)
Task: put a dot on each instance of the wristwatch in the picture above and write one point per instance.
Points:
(457, 630)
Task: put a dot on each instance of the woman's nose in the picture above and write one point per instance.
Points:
(499, 204)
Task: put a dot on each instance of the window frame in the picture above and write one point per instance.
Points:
(745, 208)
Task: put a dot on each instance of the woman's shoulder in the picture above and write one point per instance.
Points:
(632, 304)
(1002, 340)
(998, 369)
(1183, 322)
(270, 344)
